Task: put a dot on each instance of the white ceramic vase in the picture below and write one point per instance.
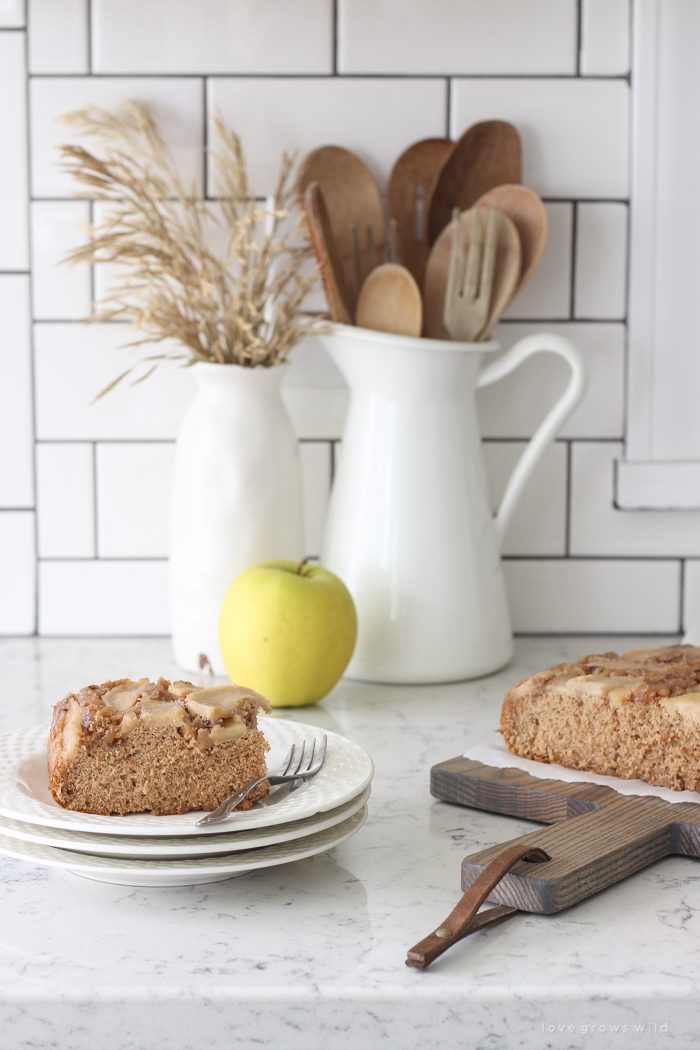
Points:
(409, 529)
(236, 498)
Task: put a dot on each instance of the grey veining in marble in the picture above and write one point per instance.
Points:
(312, 954)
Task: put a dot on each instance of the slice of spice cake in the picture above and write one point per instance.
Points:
(126, 747)
(635, 716)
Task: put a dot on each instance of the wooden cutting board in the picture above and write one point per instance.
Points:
(597, 836)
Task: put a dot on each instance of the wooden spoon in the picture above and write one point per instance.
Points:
(410, 188)
(505, 275)
(390, 301)
(527, 211)
(354, 208)
(324, 247)
(487, 155)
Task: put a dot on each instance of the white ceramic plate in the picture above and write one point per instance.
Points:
(121, 846)
(25, 796)
(189, 872)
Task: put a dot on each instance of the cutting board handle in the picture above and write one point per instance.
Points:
(463, 919)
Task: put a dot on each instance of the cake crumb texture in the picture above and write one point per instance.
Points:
(133, 746)
(634, 716)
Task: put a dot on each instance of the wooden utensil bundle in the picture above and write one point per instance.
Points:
(463, 227)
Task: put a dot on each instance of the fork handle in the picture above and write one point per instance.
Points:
(226, 807)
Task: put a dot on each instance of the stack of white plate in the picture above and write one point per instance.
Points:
(143, 850)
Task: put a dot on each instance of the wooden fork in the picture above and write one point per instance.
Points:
(470, 283)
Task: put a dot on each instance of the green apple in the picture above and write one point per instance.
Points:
(288, 630)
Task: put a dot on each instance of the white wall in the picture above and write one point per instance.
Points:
(84, 488)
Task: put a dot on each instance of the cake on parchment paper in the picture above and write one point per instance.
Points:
(635, 716)
(127, 747)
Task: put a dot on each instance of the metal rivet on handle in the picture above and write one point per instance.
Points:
(443, 932)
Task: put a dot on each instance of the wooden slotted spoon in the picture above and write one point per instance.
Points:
(487, 155)
(410, 188)
(506, 273)
(354, 209)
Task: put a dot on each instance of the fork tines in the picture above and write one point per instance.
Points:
(470, 282)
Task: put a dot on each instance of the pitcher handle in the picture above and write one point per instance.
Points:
(545, 342)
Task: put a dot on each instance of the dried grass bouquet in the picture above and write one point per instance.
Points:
(240, 305)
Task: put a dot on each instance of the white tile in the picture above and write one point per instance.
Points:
(14, 198)
(517, 404)
(601, 261)
(548, 292)
(316, 477)
(16, 428)
(598, 528)
(175, 103)
(17, 572)
(605, 37)
(94, 598)
(594, 597)
(12, 14)
(574, 133)
(133, 499)
(74, 362)
(457, 36)
(58, 36)
(691, 595)
(212, 36)
(59, 291)
(377, 118)
(65, 490)
(539, 522)
(317, 412)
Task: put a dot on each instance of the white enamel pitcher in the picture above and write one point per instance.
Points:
(409, 527)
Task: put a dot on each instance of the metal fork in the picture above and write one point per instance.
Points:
(469, 286)
(293, 768)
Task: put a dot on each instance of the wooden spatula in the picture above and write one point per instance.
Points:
(324, 247)
(410, 189)
(487, 155)
(527, 211)
(354, 209)
(506, 271)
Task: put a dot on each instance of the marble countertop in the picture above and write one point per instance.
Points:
(311, 955)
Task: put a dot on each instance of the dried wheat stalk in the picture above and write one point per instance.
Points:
(241, 305)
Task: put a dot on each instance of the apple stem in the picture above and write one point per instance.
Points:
(300, 566)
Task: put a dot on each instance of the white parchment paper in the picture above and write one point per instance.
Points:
(497, 754)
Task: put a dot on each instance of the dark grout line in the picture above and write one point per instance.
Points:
(88, 19)
(335, 39)
(579, 36)
(222, 75)
(567, 500)
(32, 354)
(574, 238)
(448, 107)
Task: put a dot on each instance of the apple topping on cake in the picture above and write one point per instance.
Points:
(130, 746)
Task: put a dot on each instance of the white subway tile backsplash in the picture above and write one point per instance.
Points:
(375, 117)
(516, 405)
(17, 572)
(65, 499)
(59, 292)
(539, 522)
(691, 594)
(605, 37)
(574, 132)
(175, 103)
(598, 528)
(548, 292)
(601, 261)
(74, 362)
(58, 36)
(14, 194)
(316, 475)
(12, 14)
(212, 36)
(133, 499)
(594, 596)
(470, 36)
(16, 417)
(103, 598)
